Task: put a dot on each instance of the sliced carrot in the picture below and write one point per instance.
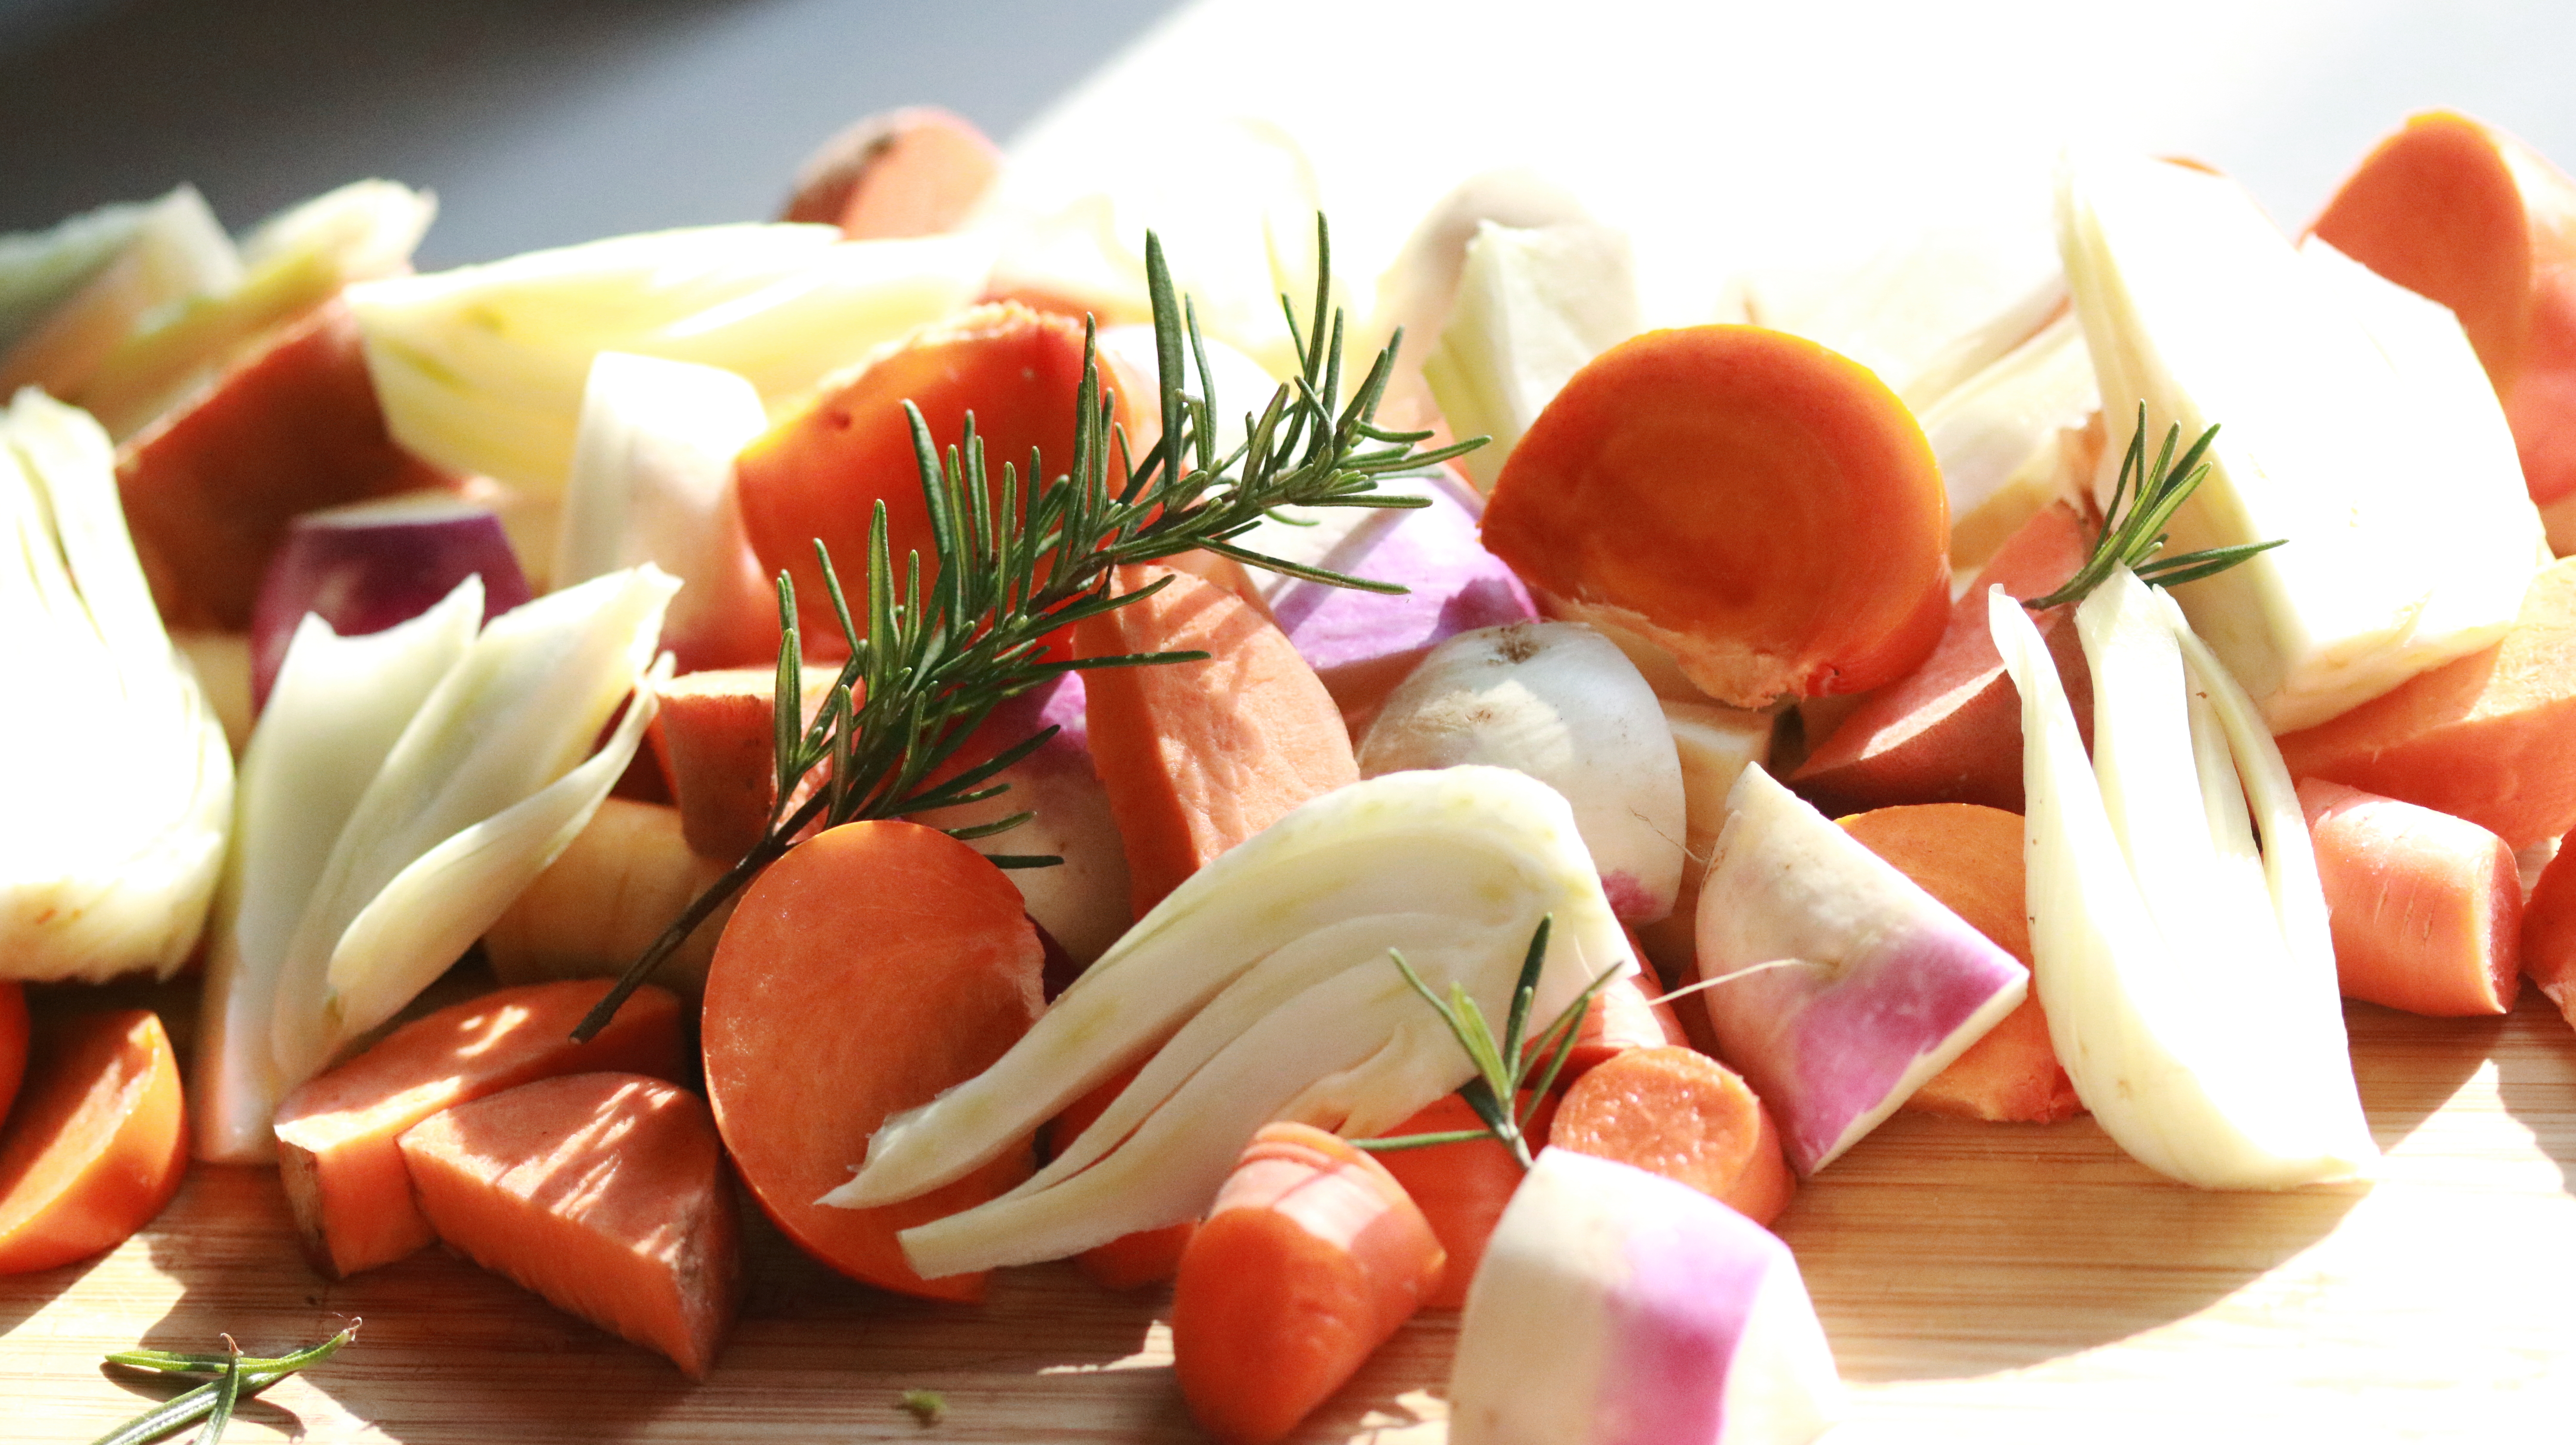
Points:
(1149, 1256)
(606, 1193)
(916, 171)
(97, 1145)
(1310, 1259)
(336, 1149)
(1460, 1188)
(1199, 756)
(2485, 737)
(873, 967)
(13, 1043)
(2426, 908)
(1970, 858)
(210, 488)
(1763, 509)
(1623, 1016)
(1950, 730)
(2457, 210)
(1681, 1114)
(604, 900)
(820, 472)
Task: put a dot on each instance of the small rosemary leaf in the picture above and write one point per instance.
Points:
(1525, 989)
(987, 830)
(2192, 566)
(1128, 659)
(227, 1396)
(181, 1411)
(1300, 570)
(1024, 860)
(1396, 1142)
(926, 1406)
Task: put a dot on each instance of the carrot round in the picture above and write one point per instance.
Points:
(1131, 1261)
(337, 1150)
(2426, 908)
(97, 1144)
(1970, 858)
(1681, 1114)
(1310, 1259)
(875, 966)
(13, 1043)
(605, 1193)
(1198, 756)
(820, 472)
(1765, 510)
(1461, 1188)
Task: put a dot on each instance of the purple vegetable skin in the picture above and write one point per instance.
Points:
(367, 566)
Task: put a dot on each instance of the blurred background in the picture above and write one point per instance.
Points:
(1752, 129)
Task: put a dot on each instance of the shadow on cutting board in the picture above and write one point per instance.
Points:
(1943, 1248)
(2536, 1080)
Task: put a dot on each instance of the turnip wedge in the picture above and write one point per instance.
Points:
(1833, 981)
(118, 786)
(1617, 1307)
(2188, 975)
(1263, 990)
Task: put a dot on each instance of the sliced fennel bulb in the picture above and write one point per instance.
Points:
(118, 784)
(2188, 977)
(1262, 988)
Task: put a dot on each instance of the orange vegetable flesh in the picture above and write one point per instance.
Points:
(606, 1193)
(97, 1142)
(1950, 730)
(1461, 1188)
(1198, 756)
(821, 472)
(873, 967)
(1970, 858)
(1132, 1261)
(2426, 908)
(2486, 737)
(336, 1135)
(715, 740)
(2461, 212)
(13, 1043)
(1622, 1016)
(1764, 509)
(1310, 1259)
(210, 488)
(1681, 1114)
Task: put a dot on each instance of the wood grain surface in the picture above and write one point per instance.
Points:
(1985, 1282)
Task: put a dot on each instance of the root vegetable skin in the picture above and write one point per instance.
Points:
(2426, 908)
(1765, 510)
(606, 1193)
(96, 1144)
(336, 1135)
(874, 967)
(917, 171)
(1310, 1259)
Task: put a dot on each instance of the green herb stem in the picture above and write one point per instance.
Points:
(2143, 501)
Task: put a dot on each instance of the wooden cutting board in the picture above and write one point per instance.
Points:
(1984, 1282)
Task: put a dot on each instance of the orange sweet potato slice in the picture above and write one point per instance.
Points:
(1763, 509)
(2485, 737)
(96, 1145)
(336, 1135)
(606, 1193)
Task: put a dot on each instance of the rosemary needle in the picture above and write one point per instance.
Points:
(936, 645)
(237, 1377)
(2143, 500)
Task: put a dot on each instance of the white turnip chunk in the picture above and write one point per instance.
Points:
(1532, 307)
(1845, 985)
(1557, 701)
(1617, 1307)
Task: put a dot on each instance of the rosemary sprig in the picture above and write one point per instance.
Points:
(237, 1377)
(1504, 1068)
(1017, 562)
(2131, 537)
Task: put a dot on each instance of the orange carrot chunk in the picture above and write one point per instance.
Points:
(1310, 1259)
(1763, 509)
(605, 1193)
(1681, 1114)
(1198, 756)
(2461, 212)
(1970, 858)
(1950, 730)
(1460, 1188)
(875, 966)
(1131, 1261)
(98, 1144)
(2485, 737)
(336, 1136)
(2549, 932)
(13, 1043)
(2426, 908)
